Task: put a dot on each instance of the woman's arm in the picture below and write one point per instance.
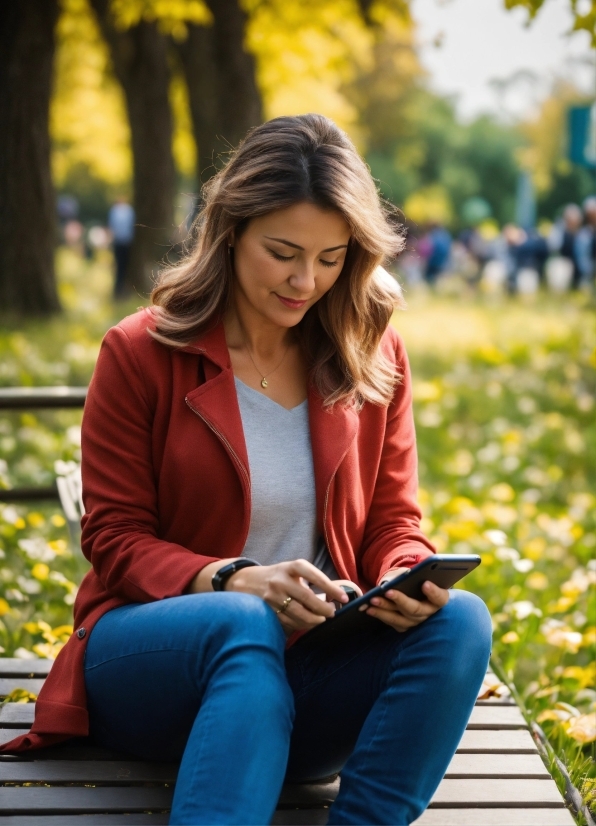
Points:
(121, 522)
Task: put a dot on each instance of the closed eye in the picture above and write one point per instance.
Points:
(279, 257)
(329, 263)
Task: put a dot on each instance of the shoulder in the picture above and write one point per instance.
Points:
(130, 341)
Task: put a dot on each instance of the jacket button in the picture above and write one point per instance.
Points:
(81, 633)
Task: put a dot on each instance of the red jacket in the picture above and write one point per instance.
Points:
(166, 489)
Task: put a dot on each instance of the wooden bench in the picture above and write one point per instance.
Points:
(496, 778)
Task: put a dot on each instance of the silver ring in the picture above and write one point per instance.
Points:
(284, 607)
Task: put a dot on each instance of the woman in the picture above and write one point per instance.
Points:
(246, 440)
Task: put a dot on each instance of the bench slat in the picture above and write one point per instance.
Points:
(76, 799)
(499, 793)
(87, 771)
(13, 667)
(7, 734)
(145, 819)
(497, 765)
(19, 398)
(495, 817)
(496, 717)
(126, 772)
(497, 742)
(8, 684)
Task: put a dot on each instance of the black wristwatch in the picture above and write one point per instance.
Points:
(219, 578)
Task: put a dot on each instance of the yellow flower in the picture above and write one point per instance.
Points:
(40, 571)
(534, 548)
(510, 637)
(537, 581)
(502, 492)
(582, 728)
(58, 546)
(35, 519)
(20, 523)
(4, 607)
(57, 520)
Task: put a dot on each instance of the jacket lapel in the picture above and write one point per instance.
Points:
(216, 400)
(332, 431)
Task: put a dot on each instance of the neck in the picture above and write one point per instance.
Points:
(245, 328)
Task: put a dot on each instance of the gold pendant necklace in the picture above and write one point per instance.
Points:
(264, 382)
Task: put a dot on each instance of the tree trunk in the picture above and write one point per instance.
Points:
(27, 202)
(220, 74)
(139, 56)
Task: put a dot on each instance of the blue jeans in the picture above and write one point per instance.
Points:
(206, 679)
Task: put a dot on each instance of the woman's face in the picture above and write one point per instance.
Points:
(286, 260)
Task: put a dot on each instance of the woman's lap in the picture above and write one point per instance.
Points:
(374, 705)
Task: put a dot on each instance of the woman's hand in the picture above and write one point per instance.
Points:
(276, 583)
(402, 612)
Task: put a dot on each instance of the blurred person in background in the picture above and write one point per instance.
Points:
(563, 240)
(121, 223)
(586, 243)
(439, 243)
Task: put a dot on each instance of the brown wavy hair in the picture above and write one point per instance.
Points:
(284, 162)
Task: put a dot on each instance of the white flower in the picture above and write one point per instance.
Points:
(496, 537)
(23, 654)
(524, 609)
(523, 565)
(507, 554)
(37, 548)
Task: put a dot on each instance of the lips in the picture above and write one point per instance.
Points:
(292, 303)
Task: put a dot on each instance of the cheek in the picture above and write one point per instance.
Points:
(258, 272)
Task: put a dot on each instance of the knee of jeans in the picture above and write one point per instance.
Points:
(469, 624)
(248, 620)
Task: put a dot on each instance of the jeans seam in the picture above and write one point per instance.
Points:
(138, 654)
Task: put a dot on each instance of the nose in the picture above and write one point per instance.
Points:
(303, 278)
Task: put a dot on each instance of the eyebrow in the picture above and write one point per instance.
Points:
(297, 247)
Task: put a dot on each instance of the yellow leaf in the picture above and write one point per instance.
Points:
(20, 695)
(552, 714)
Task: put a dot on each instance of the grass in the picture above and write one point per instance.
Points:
(504, 394)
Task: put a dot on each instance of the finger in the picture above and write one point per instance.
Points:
(438, 596)
(303, 568)
(304, 596)
(408, 605)
(301, 617)
(394, 619)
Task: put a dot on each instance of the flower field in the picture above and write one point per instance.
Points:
(505, 405)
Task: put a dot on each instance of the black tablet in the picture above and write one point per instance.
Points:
(442, 569)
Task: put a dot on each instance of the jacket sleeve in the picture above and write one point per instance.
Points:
(120, 528)
(393, 538)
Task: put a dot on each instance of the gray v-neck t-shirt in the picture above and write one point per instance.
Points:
(283, 520)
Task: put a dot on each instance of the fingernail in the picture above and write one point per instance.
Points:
(344, 597)
(376, 601)
(391, 594)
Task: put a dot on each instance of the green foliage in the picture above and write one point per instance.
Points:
(584, 20)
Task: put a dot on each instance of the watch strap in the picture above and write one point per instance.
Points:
(219, 578)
